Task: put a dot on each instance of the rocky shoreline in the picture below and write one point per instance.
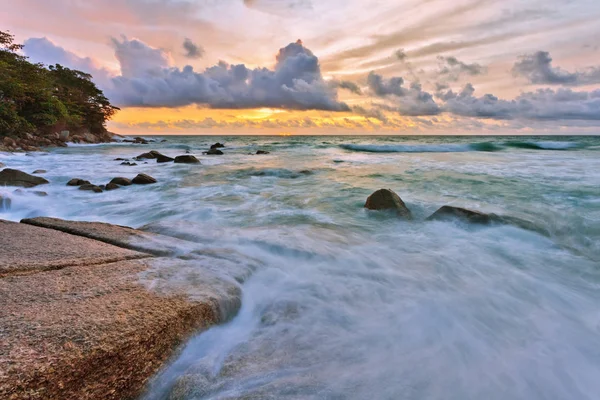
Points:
(105, 319)
(35, 142)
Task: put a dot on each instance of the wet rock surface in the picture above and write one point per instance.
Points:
(14, 177)
(186, 159)
(388, 200)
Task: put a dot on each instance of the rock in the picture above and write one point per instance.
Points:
(262, 152)
(9, 142)
(140, 140)
(91, 187)
(217, 145)
(186, 159)
(5, 203)
(164, 140)
(121, 159)
(64, 135)
(88, 137)
(120, 181)
(387, 199)
(111, 186)
(40, 193)
(161, 158)
(143, 179)
(128, 163)
(14, 177)
(77, 182)
(462, 214)
(39, 171)
(214, 152)
(151, 155)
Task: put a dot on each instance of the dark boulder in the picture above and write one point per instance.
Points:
(39, 171)
(111, 186)
(186, 159)
(262, 152)
(474, 217)
(151, 155)
(217, 146)
(77, 182)
(387, 199)
(161, 158)
(121, 159)
(143, 179)
(214, 152)
(140, 140)
(91, 187)
(121, 181)
(130, 164)
(14, 177)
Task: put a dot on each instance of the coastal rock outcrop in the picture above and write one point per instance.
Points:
(14, 177)
(186, 159)
(217, 146)
(143, 179)
(77, 182)
(387, 199)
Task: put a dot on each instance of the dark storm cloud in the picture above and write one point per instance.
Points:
(411, 100)
(192, 50)
(348, 85)
(453, 69)
(538, 69)
(295, 83)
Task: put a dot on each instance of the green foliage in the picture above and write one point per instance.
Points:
(36, 98)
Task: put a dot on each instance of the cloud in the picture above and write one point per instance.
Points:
(541, 105)
(192, 50)
(410, 100)
(279, 7)
(295, 83)
(42, 50)
(538, 69)
(137, 59)
(348, 85)
(452, 68)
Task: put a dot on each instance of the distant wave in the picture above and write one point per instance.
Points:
(543, 145)
(422, 148)
(460, 148)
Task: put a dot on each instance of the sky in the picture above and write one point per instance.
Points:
(327, 67)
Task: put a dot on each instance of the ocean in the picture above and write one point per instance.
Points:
(345, 303)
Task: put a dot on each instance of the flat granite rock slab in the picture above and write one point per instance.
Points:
(121, 236)
(89, 332)
(27, 249)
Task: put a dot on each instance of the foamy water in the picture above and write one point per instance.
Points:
(341, 303)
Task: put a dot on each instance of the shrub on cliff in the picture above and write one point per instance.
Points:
(36, 98)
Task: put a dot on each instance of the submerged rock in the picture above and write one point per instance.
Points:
(121, 181)
(214, 152)
(77, 182)
(186, 159)
(151, 155)
(143, 179)
(161, 158)
(39, 171)
(111, 186)
(91, 187)
(387, 199)
(130, 164)
(463, 214)
(262, 152)
(14, 177)
(217, 146)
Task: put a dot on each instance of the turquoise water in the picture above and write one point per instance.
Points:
(350, 304)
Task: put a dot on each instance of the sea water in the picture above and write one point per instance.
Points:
(345, 303)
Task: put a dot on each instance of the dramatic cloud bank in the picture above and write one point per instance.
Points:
(148, 80)
(538, 69)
